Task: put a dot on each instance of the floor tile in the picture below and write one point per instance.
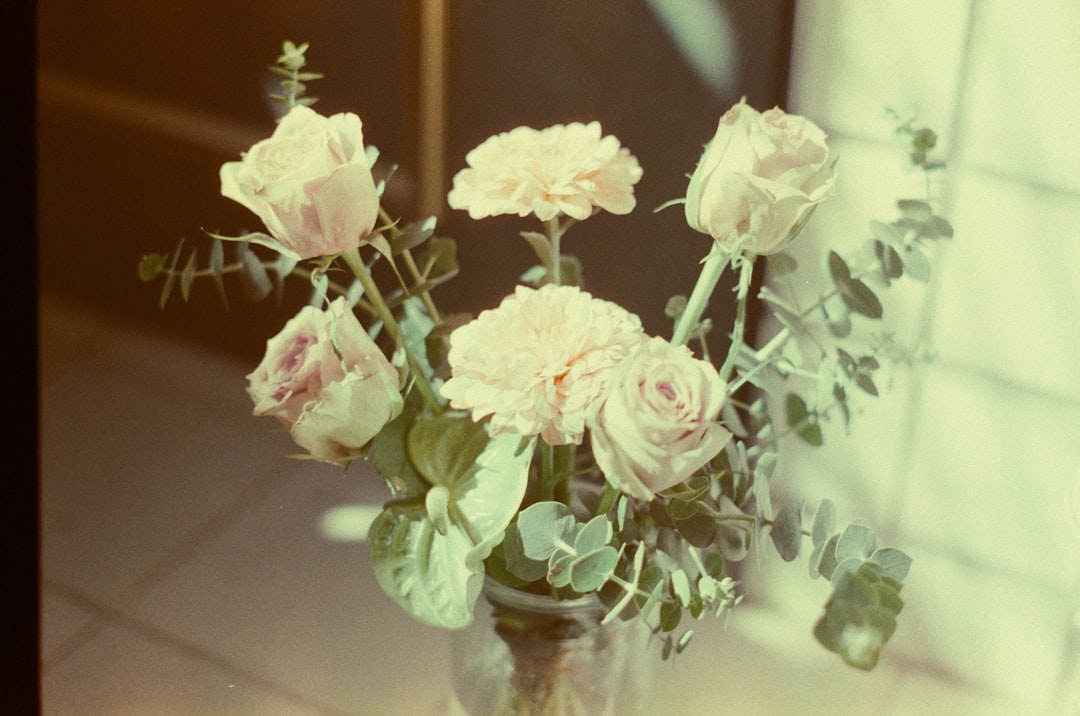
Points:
(303, 611)
(132, 669)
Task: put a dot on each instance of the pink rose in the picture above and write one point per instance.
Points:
(310, 183)
(658, 423)
(327, 380)
(759, 178)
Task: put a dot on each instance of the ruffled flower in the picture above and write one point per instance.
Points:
(565, 169)
(540, 363)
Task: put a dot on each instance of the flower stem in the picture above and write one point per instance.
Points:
(554, 233)
(713, 266)
(371, 290)
(746, 273)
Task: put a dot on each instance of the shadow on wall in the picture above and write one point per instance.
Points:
(131, 134)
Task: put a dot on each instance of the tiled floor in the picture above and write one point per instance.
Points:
(185, 570)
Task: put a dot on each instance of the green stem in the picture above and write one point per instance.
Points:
(556, 467)
(371, 290)
(554, 233)
(746, 273)
(711, 270)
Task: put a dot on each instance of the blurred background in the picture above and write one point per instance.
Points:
(183, 567)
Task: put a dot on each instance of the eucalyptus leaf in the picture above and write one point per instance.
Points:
(786, 531)
(187, 276)
(824, 522)
(699, 528)
(782, 264)
(254, 278)
(894, 563)
(543, 526)
(517, 563)
(589, 572)
(802, 421)
(680, 586)
(217, 264)
(858, 541)
(915, 263)
(827, 562)
(596, 533)
(670, 615)
(151, 266)
(860, 298)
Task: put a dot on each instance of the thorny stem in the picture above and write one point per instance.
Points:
(371, 290)
(712, 268)
(746, 272)
(410, 264)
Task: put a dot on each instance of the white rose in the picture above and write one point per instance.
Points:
(759, 177)
(327, 380)
(310, 183)
(658, 423)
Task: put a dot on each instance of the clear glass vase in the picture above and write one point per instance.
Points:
(528, 654)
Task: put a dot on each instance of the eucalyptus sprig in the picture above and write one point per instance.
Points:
(289, 65)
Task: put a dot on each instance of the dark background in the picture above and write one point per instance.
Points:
(118, 176)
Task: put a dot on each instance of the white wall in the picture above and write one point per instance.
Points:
(970, 463)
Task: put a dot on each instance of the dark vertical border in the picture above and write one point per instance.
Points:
(22, 684)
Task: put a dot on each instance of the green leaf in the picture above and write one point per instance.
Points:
(892, 267)
(894, 563)
(886, 233)
(856, 295)
(151, 266)
(435, 570)
(786, 531)
(217, 264)
(699, 529)
(915, 263)
(256, 283)
(652, 584)
(517, 563)
(444, 449)
(390, 458)
(860, 615)
(595, 534)
(802, 421)
(858, 541)
(187, 277)
(541, 245)
(542, 526)
(915, 209)
(412, 235)
(670, 615)
(435, 578)
(170, 279)
(826, 564)
(860, 298)
(591, 571)
(824, 522)
(439, 261)
(782, 265)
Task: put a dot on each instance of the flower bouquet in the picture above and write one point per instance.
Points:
(548, 445)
